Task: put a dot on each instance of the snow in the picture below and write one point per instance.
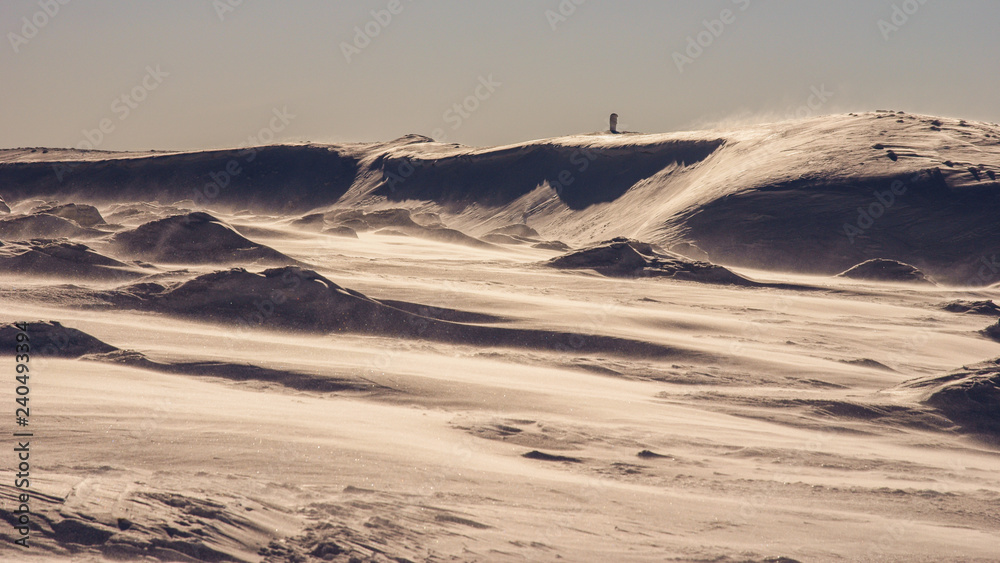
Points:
(257, 390)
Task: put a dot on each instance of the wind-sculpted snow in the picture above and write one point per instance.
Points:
(43, 225)
(280, 178)
(51, 338)
(879, 269)
(292, 298)
(583, 173)
(987, 307)
(62, 259)
(970, 396)
(82, 214)
(54, 340)
(944, 231)
(627, 258)
(397, 222)
(214, 391)
(734, 195)
(193, 238)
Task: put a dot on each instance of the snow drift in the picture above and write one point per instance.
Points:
(297, 299)
(193, 238)
(62, 259)
(43, 225)
(51, 338)
(397, 221)
(970, 397)
(283, 178)
(622, 257)
(880, 269)
(81, 214)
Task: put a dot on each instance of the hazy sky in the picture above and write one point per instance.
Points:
(188, 74)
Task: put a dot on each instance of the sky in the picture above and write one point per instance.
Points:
(197, 74)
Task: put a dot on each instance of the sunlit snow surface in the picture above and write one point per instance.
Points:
(252, 384)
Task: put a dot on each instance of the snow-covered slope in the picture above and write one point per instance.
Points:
(214, 377)
(816, 196)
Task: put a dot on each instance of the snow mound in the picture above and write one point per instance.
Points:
(427, 219)
(288, 297)
(137, 213)
(556, 245)
(627, 258)
(373, 220)
(390, 233)
(311, 222)
(193, 238)
(881, 269)
(444, 234)
(50, 338)
(297, 299)
(992, 332)
(81, 214)
(516, 230)
(970, 397)
(62, 259)
(502, 239)
(341, 231)
(43, 225)
(520, 233)
(399, 222)
(987, 307)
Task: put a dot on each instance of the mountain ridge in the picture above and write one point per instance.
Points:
(917, 189)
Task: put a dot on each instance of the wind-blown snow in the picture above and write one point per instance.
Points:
(595, 347)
